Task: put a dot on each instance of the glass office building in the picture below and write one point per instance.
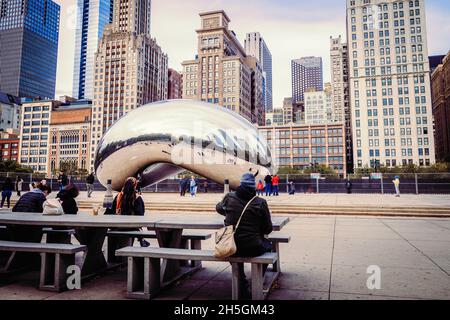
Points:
(92, 16)
(29, 31)
(306, 74)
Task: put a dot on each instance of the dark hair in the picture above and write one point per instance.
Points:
(128, 198)
(43, 188)
(72, 190)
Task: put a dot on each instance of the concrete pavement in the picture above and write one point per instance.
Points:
(327, 258)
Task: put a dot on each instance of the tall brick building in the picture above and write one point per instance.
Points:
(440, 84)
(175, 85)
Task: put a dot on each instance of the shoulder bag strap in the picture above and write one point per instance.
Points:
(239, 221)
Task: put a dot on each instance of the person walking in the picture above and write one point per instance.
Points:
(183, 187)
(396, 183)
(19, 182)
(291, 188)
(129, 203)
(268, 182)
(255, 223)
(275, 184)
(67, 197)
(90, 184)
(193, 186)
(260, 188)
(63, 180)
(348, 186)
(205, 186)
(139, 184)
(7, 189)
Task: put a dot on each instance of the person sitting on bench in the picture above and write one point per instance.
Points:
(129, 203)
(255, 223)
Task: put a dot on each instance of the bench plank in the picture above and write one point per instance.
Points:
(40, 247)
(279, 237)
(187, 234)
(183, 254)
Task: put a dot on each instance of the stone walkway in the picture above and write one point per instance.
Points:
(327, 258)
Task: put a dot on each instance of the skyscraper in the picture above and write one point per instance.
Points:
(222, 73)
(256, 46)
(28, 47)
(340, 88)
(130, 68)
(92, 16)
(390, 83)
(306, 73)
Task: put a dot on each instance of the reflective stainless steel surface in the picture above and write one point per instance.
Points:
(162, 139)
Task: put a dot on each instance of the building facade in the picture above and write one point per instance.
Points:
(92, 17)
(222, 73)
(392, 119)
(9, 145)
(306, 73)
(9, 112)
(34, 133)
(440, 82)
(175, 85)
(300, 146)
(29, 32)
(319, 106)
(131, 70)
(69, 140)
(341, 91)
(256, 46)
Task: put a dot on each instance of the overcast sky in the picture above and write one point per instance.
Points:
(291, 28)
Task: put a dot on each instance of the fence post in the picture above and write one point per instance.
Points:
(7, 174)
(287, 183)
(31, 178)
(417, 183)
(382, 184)
(156, 188)
(317, 185)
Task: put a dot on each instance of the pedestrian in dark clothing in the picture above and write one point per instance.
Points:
(67, 197)
(139, 184)
(183, 186)
(205, 186)
(90, 184)
(7, 189)
(268, 182)
(255, 222)
(32, 201)
(348, 186)
(129, 203)
(63, 180)
(19, 182)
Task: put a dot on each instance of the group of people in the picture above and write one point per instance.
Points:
(270, 186)
(191, 185)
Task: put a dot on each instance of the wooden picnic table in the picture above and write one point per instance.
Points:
(92, 230)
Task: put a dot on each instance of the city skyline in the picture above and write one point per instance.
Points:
(324, 17)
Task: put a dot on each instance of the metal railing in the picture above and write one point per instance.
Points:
(410, 183)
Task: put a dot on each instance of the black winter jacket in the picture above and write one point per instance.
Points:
(255, 223)
(30, 202)
(139, 208)
(68, 201)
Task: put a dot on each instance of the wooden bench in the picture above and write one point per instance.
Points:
(191, 239)
(3, 233)
(55, 259)
(58, 236)
(144, 270)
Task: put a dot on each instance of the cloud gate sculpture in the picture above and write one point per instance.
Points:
(162, 139)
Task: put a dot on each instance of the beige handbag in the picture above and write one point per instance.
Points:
(225, 244)
(52, 207)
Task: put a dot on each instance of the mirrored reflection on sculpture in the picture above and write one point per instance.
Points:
(162, 139)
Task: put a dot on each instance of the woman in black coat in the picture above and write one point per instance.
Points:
(67, 197)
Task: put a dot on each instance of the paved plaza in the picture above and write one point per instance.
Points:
(327, 258)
